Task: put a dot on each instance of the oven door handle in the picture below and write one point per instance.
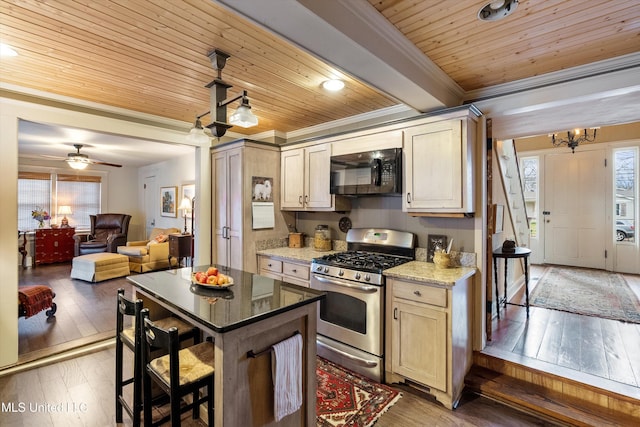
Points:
(365, 288)
(360, 361)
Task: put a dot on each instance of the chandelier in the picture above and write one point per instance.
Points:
(574, 138)
(218, 89)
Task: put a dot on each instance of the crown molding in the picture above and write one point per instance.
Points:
(620, 63)
(399, 109)
(74, 104)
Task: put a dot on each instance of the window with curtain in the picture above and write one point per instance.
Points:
(50, 191)
(82, 194)
(34, 191)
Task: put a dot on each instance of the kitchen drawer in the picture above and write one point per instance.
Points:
(271, 265)
(420, 293)
(296, 270)
(289, 279)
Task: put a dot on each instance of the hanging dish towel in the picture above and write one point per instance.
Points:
(286, 370)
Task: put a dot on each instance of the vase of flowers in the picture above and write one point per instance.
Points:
(40, 215)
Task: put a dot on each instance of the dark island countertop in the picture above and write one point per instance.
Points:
(252, 297)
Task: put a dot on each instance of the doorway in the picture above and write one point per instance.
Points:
(574, 209)
(86, 312)
(579, 204)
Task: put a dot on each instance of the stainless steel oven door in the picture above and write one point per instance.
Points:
(351, 313)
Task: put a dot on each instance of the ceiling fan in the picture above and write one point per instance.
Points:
(79, 160)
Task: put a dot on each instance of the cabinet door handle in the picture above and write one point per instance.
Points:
(269, 265)
(417, 293)
(306, 199)
(294, 270)
(408, 197)
(300, 200)
(395, 313)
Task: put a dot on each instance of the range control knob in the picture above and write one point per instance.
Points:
(319, 268)
(326, 269)
(340, 273)
(357, 276)
(367, 277)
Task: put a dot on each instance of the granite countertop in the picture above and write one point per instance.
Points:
(427, 272)
(296, 254)
(251, 298)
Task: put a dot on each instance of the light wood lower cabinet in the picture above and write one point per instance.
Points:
(428, 332)
(296, 272)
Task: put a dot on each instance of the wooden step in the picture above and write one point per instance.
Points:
(549, 396)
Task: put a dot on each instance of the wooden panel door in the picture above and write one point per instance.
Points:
(574, 211)
(235, 216)
(292, 179)
(433, 166)
(419, 346)
(318, 170)
(219, 187)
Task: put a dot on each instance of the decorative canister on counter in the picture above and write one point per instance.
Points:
(442, 259)
(295, 240)
(322, 238)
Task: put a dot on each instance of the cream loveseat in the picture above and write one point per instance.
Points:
(152, 254)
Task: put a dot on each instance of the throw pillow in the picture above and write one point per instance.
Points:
(161, 238)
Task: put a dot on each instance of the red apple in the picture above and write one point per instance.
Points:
(212, 271)
(201, 277)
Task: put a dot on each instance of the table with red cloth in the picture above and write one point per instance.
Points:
(35, 298)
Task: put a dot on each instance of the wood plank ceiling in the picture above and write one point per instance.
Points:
(151, 55)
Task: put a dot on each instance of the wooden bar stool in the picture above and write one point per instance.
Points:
(178, 373)
(131, 337)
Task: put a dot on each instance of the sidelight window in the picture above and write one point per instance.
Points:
(625, 194)
(529, 174)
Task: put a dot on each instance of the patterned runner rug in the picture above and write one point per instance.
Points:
(345, 398)
(586, 291)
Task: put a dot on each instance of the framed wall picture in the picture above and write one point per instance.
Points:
(168, 202)
(498, 218)
(435, 241)
(261, 186)
(188, 191)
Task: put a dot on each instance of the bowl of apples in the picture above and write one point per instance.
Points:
(212, 278)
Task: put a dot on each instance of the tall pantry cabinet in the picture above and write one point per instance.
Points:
(236, 167)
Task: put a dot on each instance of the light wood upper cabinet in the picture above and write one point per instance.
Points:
(438, 159)
(306, 180)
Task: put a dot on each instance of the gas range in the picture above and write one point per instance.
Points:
(351, 316)
(359, 266)
(369, 253)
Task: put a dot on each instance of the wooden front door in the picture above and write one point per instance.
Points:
(574, 210)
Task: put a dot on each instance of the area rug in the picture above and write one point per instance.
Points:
(584, 291)
(344, 398)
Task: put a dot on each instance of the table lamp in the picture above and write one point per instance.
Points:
(64, 210)
(185, 205)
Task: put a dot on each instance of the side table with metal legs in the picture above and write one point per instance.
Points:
(518, 253)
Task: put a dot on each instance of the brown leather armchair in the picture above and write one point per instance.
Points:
(108, 231)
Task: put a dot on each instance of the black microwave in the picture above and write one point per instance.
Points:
(369, 173)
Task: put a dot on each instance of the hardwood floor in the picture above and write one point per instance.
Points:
(601, 352)
(86, 312)
(82, 390)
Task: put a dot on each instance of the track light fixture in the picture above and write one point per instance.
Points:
(218, 88)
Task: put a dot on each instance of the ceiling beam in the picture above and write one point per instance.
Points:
(371, 49)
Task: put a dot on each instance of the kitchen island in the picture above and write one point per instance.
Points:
(248, 317)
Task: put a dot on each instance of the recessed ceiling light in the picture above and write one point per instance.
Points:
(495, 10)
(6, 50)
(333, 85)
